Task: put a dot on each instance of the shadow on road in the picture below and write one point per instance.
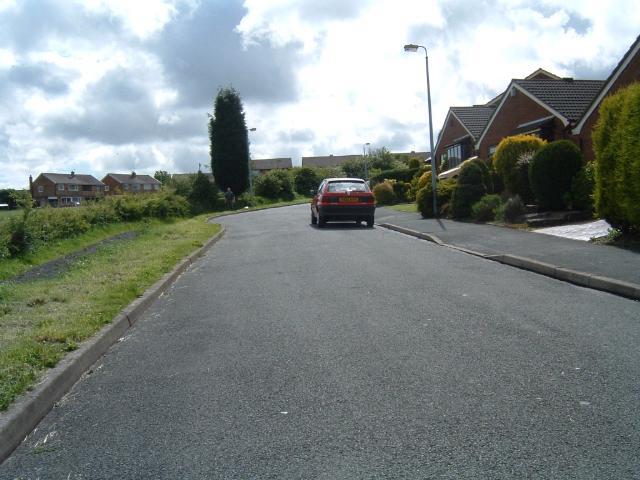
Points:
(342, 226)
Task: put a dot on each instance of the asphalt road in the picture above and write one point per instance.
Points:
(295, 352)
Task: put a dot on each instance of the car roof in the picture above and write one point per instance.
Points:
(338, 179)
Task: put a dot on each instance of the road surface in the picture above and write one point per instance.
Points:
(346, 352)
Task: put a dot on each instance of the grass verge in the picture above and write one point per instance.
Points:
(41, 321)
(404, 207)
(283, 203)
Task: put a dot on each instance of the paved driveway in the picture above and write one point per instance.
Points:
(294, 352)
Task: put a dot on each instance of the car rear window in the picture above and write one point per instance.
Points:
(347, 186)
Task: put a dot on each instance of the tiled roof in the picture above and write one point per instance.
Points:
(271, 163)
(570, 98)
(328, 161)
(74, 179)
(133, 179)
(474, 118)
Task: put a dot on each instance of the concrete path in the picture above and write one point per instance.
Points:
(607, 261)
(584, 231)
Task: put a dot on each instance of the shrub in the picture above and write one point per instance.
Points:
(511, 211)
(485, 209)
(551, 172)
(402, 190)
(505, 160)
(275, 184)
(305, 179)
(444, 191)
(414, 162)
(399, 174)
(616, 141)
(469, 189)
(424, 180)
(384, 194)
(581, 195)
(486, 174)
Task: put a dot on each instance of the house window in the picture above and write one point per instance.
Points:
(156, 186)
(86, 188)
(106, 188)
(455, 153)
(60, 187)
(147, 186)
(492, 150)
(135, 187)
(73, 187)
(125, 186)
(40, 189)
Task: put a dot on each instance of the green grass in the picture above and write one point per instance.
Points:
(404, 207)
(41, 321)
(5, 215)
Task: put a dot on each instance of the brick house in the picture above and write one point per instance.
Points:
(549, 108)
(626, 72)
(266, 165)
(463, 126)
(119, 183)
(60, 189)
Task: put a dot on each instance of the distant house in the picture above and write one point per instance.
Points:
(61, 190)
(119, 183)
(266, 165)
(328, 160)
(626, 72)
(190, 176)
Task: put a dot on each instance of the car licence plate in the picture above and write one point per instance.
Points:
(348, 199)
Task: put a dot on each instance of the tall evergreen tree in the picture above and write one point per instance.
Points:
(229, 147)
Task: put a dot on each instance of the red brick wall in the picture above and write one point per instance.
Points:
(452, 130)
(629, 75)
(114, 186)
(515, 111)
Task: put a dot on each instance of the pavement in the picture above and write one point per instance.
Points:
(601, 267)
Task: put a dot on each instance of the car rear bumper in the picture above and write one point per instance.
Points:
(346, 211)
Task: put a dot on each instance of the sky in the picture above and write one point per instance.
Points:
(113, 86)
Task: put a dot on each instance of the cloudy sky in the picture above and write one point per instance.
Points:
(101, 86)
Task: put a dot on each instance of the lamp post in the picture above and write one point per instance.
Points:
(364, 155)
(414, 48)
(249, 161)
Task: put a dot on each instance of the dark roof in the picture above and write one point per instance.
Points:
(570, 98)
(328, 160)
(271, 163)
(133, 179)
(474, 118)
(74, 179)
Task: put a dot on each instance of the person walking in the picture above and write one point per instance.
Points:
(229, 198)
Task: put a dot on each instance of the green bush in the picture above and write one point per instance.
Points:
(616, 141)
(275, 184)
(551, 172)
(414, 162)
(582, 186)
(469, 189)
(505, 161)
(306, 179)
(383, 192)
(511, 211)
(485, 209)
(398, 174)
(444, 191)
(25, 233)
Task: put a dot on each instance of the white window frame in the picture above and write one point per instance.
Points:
(40, 188)
(73, 187)
(106, 188)
(135, 187)
(147, 187)
(125, 187)
(60, 187)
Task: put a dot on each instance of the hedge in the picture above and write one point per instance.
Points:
(509, 152)
(616, 142)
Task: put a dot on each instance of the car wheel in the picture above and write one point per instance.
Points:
(370, 222)
(314, 219)
(322, 221)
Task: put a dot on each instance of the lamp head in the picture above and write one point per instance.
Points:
(411, 48)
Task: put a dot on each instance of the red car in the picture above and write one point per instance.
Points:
(342, 199)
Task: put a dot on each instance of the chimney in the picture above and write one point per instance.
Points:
(568, 79)
(31, 185)
(133, 174)
(73, 174)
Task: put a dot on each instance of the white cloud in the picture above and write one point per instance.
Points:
(120, 85)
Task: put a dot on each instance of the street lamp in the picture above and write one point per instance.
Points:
(364, 155)
(414, 48)
(249, 161)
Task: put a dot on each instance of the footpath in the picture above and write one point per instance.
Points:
(601, 267)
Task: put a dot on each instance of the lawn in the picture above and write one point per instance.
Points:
(5, 215)
(404, 207)
(42, 320)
